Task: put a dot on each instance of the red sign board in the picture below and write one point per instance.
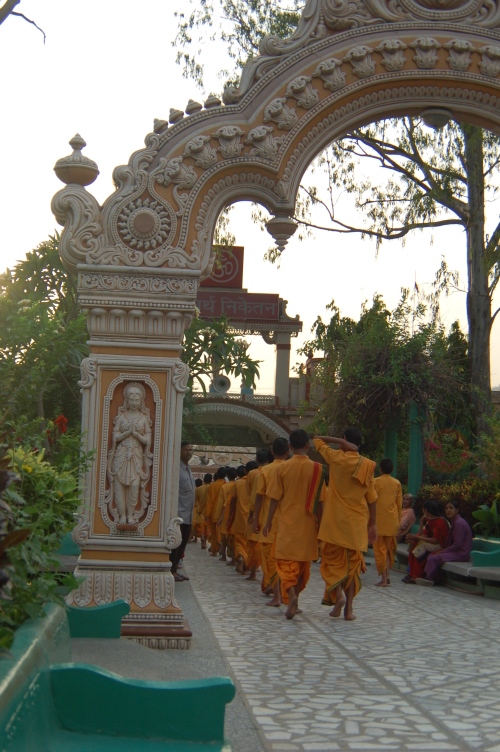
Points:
(244, 306)
(227, 271)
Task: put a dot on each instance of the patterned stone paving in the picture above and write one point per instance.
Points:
(418, 670)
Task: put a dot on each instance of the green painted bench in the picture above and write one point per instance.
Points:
(98, 621)
(49, 706)
(466, 576)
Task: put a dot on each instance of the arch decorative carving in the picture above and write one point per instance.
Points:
(349, 62)
(254, 417)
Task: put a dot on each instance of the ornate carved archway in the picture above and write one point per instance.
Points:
(140, 256)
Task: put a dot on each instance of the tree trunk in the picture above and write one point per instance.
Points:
(478, 298)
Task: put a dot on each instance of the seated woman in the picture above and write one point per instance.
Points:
(408, 518)
(458, 545)
(433, 533)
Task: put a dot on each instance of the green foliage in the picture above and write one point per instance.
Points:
(489, 518)
(42, 337)
(448, 457)
(209, 347)
(44, 503)
(470, 493)
(373, 368)
(487, 452)
(239, 24)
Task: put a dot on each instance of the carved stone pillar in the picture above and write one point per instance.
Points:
(282, 379)
(133, 383)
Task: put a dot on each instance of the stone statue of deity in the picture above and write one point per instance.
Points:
(130, 457)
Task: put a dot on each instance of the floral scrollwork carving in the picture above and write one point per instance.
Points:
(392, 51)
(278, 111)
(181, 377)
(265, 144)
(88, 373)
(174, 536)
(361, 60)
(331, 74)
(425, 52)
(229, 139)
(80, 534)
(490, 64)
(459, 58)
(175, 172)
(301, 90)
(80, 215)
(200, 150)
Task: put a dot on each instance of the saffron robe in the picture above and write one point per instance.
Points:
(251, 483)
(239, 525)
(389, 504)
(212, 496)
(297, 530)
(350, 490)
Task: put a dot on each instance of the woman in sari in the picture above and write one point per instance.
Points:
(458, 545)
(432, 535)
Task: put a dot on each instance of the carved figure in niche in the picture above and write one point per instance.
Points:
(130, 457)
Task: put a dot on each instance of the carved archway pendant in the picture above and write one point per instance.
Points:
(140, 256)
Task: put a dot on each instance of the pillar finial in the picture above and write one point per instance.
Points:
(76, 168)
(281, 228)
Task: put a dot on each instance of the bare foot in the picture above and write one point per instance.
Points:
(267, 591)
(251, 578)
(337, 609)
(292, 608)
(299, 611)
(274, 603)
(240, 565)
(349, 616)
(223, 558)
(381, 584)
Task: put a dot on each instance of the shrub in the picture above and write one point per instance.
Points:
(44, 502)
(469, 493)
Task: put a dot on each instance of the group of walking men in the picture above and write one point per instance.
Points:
(282, 512)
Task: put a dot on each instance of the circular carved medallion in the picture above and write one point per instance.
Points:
(145, 224)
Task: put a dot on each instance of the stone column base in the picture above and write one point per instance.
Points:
(155, 619)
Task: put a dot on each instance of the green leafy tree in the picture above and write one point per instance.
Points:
(210, 349)
(435, 178)
(375, 367)
(42, 337)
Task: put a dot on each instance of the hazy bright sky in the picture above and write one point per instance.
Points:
(106, 71)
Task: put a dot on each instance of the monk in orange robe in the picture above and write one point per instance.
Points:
(202, 501)
(197, 519)
(212, 498)
(270, 580)
(222, 510)
(389, 510)
(295, 489)
(253, 545)
(238, 518)
(344, 534)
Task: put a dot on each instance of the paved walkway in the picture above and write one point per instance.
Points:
(418, 670)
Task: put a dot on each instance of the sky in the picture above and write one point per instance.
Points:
(106, 71)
